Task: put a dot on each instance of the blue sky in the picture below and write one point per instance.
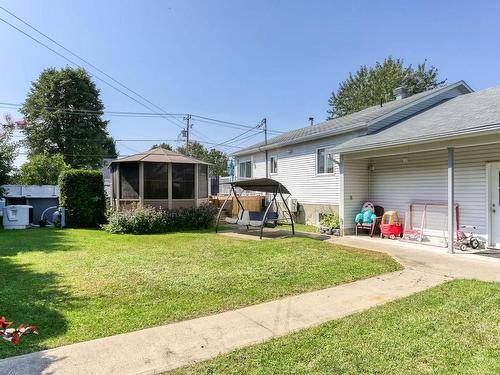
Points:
(244, 60)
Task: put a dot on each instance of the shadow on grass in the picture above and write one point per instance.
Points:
(13, 242)
(27, 296)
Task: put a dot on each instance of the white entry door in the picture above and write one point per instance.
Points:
(495, 204)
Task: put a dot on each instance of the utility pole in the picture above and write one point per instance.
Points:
(264, 123)
(188, 126)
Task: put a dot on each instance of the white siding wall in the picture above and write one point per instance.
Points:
(355, 191)
(393, 184)
(297, 171)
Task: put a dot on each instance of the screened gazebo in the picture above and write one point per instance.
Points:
(159, 178)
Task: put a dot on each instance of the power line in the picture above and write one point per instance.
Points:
(79, 57)
(138, 140)
(231, 123)
(104, 73)
(78, 65)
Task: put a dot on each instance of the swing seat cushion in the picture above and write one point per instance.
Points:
(231, 220)
(244, 218)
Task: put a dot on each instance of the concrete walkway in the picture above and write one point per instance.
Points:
(167, 347)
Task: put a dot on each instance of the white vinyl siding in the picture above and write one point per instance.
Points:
(424, 177)
(355, 191)
(297, 171)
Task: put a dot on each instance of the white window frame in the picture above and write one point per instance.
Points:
(271, 157)
(316, 164)
(249, 161)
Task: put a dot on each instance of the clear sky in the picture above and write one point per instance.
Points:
(243, 60)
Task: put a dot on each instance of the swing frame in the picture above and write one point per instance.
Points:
(262, 185)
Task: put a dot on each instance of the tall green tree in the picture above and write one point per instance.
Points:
(217, 158)
(163, 145)
(8, 150)
(371, 85)
(109, 147)
(41, 169)
(64, 114)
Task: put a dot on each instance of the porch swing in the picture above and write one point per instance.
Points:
(254, 219)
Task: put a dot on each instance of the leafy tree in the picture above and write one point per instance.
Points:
(63, 110)
(217, 158)
(371, 85)
(109, 147)
(42, 169)
(164, 145)
(7, 149)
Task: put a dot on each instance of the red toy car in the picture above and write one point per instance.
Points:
(391, 225)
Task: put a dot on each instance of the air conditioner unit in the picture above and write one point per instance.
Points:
(17, 216)
(294, 205)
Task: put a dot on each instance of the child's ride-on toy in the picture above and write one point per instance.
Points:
(391, 225)
(466, 241)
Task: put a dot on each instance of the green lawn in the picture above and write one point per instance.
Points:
(451, 329)
(304, 228)
(78, 285)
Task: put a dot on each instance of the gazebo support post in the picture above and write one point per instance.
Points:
(289, 212)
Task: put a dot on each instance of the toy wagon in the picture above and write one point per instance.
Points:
(391, 225)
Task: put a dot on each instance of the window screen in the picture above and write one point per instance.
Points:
(273, 161)
(182, 181)
(202, 181)
(325, 161)
(155, 181)
(129, 181)
(245, 169)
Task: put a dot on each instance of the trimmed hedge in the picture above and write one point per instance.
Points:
(82, 195)
(147, 220)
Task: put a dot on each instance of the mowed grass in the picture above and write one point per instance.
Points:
(78, 285)
(450, 329)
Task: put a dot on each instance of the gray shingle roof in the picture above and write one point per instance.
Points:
(160, 155)
(341, 124)
(469, 113)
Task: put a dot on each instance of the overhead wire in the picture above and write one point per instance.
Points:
(165, 115)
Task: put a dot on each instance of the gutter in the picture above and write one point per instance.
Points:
(431, 138)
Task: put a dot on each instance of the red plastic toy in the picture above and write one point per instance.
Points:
(391, 225)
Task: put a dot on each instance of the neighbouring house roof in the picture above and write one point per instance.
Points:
(469, 114)
(361, 120)
(160, 155)
(264, 185)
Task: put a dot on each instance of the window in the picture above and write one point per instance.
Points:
(129, 181)
(155, 181)
(245, 169)
(273, 164)
(202, 181)
(325, 161)
(182, 181)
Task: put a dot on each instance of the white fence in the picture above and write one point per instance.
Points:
(31, 191)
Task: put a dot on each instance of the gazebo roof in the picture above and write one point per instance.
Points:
(160, 155)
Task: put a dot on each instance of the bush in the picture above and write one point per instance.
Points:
(146, 220)
(82, 195)
(330, 220)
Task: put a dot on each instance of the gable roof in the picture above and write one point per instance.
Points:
(366, 119)
(468, 114)
(160, 155)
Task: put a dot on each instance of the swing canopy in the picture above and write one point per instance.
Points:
(263, 185)
(258, 219)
